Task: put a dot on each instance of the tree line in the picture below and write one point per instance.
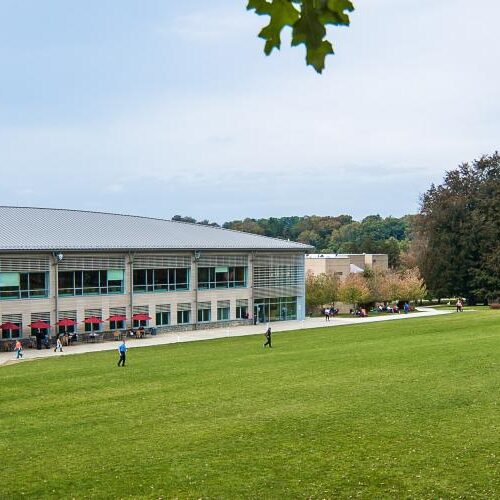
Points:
(454, 239)
(331, 234)
(364, 288)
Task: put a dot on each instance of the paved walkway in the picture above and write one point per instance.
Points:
(216, 333)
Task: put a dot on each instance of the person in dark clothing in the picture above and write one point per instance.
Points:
(122, 349)
(268, 337)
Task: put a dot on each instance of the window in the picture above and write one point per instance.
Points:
(92, 327)
(23, 285)
(222, 313)
(162, 318)
(13, 334)
(183, 317)
(241, 312)
(107, 282)
(222, 277)
(66, 329)
(204, 312)
(117, 325)
(161, 280)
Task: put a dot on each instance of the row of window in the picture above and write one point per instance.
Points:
(111, 281)
(271, 309)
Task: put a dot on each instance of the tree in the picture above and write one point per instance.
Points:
(321, 289)
(458, 229)
(391, 288)
(412, 286)
(308, 20)
(354, 290)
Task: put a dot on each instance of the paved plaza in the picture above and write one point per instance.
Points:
(216, 333)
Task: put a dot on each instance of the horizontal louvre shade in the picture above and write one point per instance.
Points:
(185, 306)
(278, 291)
(12, 318)
(161, 261)
(93, 312)
(204, 305)
(276, 260)
(67, 314)
(40, 316)
(91, 263)
(222, 260)
(241, 302)
(115, 274)
(117, 311)
(141, 310)
(162, 308)
(223, 303)
(25, 264)
(278, 275)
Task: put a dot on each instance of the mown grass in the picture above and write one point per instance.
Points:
(403, 409)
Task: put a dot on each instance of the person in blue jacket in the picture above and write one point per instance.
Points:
(122, 349)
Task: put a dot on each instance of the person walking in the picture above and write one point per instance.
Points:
(327, 314)
(122, 349)
(268, 337)
(407, 307)
(19, 349)
(58, 345)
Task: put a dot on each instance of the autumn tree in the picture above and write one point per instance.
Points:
(354, 290)
(412, 286)
(321, 289)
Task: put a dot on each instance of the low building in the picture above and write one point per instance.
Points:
(341, 265)
(107, 272)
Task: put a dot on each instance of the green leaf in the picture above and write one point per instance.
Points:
(316, 57)
(281, 12)
(308, 19)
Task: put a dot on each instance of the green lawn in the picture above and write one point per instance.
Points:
(402, 409)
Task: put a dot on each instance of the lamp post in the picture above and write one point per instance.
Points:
(58, 257)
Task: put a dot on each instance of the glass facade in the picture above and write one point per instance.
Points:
(275, 309)
(23, 285)
(222, 277)
(107, 282)
(161, 280)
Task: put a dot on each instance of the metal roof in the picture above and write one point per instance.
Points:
(39, 229)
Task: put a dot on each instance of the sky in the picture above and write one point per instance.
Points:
(160, 108)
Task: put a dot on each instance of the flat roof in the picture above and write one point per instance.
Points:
(53, 229)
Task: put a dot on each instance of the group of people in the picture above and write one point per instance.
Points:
(460, 305)
(394, 308)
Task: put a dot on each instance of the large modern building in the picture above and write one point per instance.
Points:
(106, 272)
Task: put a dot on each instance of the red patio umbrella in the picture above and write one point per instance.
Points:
(66, 322)
(93, 320)
(39, 325)
(141, 317)
(9, 326)
(117, 317)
